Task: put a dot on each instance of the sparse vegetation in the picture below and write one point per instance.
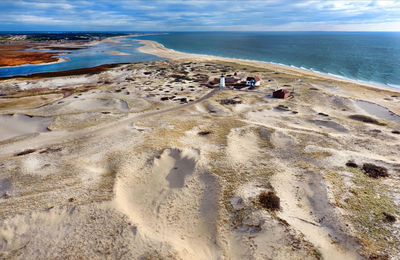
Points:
(368, 204)
(321, 154)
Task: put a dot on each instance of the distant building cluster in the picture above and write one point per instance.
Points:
(251, 82)
(235, 81)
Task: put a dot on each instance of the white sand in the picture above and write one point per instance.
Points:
(118, 53)
(19, 124)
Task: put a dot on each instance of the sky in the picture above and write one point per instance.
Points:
(200, 15)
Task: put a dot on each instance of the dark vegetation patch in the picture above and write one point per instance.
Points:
(389, 217)
(51, 150)
(89, 71)
(28, 151)
(396, 132)
(71, 36)
(239, 85)
(179, 78)
(203, 133)
(270, 201)
(61, 48)
(366, 119)
(282, 108)
(378, 257)
(167, 98)
(351, 164)
(375, 171)
(231, 101)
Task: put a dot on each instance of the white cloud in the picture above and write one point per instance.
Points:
(45, 4)
(211, 14)
(32, 19)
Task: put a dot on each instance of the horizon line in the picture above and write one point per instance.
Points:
(143, 31)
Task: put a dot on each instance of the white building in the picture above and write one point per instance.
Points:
(253, 81)
(222, 81)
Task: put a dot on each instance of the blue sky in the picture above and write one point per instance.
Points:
(204, 15)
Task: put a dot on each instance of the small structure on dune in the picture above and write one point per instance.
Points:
(253, 81)
(281, 93)
(222, 81)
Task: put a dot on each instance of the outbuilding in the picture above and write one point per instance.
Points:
(281, 93)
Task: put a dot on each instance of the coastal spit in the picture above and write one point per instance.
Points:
(152, 160)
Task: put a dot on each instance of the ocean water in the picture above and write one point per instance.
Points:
(372, 57)
(93, 56)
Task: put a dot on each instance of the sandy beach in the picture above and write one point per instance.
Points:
(153, 161)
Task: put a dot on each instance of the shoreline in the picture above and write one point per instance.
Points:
(159, 50)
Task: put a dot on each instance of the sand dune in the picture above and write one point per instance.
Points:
(150, 162)
(180, 209)
(20, 124)
(95, 104)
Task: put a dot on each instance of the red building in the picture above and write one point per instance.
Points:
(281, 93)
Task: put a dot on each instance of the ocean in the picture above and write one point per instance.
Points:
(371, 57)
